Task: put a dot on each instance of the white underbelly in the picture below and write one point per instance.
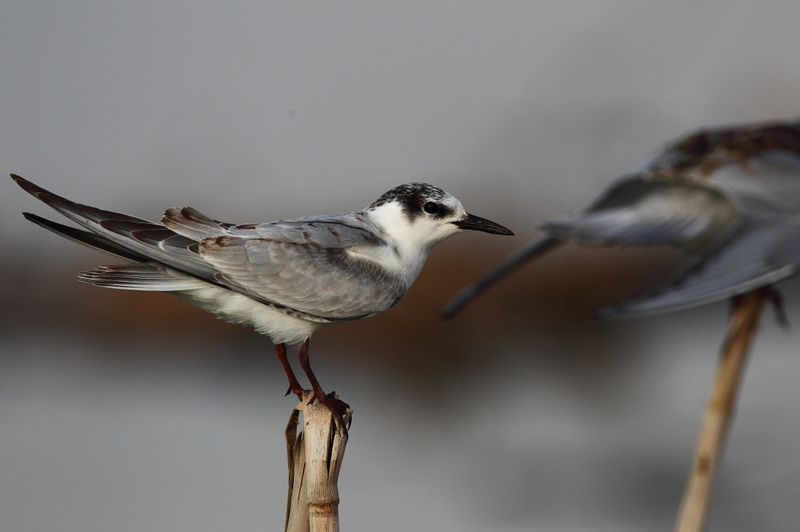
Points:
(237, 308)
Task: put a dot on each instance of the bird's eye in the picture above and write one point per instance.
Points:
(430, 208)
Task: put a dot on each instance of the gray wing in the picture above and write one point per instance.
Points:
(757, 255)
(635, 212)
(346, 230)
(311, 265)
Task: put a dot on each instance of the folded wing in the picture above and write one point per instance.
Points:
(307, 265)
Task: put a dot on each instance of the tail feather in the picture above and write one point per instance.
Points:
(148, 276)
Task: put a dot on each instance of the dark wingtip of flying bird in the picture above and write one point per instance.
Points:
(539, 246)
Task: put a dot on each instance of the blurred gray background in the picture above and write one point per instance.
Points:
(128, 412)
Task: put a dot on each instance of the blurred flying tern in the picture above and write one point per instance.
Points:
(729, 196)
(286, 278)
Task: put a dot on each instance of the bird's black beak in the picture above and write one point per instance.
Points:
(476, 223)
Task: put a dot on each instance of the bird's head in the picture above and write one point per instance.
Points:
(420, 215)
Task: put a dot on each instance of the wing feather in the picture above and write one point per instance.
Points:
(744, 263)
(638, 212)
(326, 282)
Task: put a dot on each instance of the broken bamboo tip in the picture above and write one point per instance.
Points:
(315, 457)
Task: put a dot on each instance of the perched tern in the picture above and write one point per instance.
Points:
(287, 278)
(728, 196)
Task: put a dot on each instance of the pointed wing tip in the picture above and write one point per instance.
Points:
(459, 301)
(38, 192)
(527, 253)
(448, 312)
(35, 218)
(26, 185)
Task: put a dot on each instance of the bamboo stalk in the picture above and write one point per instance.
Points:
(745, 313)
(315, 460)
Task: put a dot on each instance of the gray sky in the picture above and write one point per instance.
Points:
(255, 111)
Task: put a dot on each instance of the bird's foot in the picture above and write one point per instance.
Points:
(337, 407)
(298, 391)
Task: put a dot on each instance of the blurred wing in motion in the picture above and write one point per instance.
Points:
(632, 212)
(757, 255)
(637, 212)
(534, 249)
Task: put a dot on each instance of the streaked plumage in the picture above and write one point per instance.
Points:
(285, 278)
(730, 196)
